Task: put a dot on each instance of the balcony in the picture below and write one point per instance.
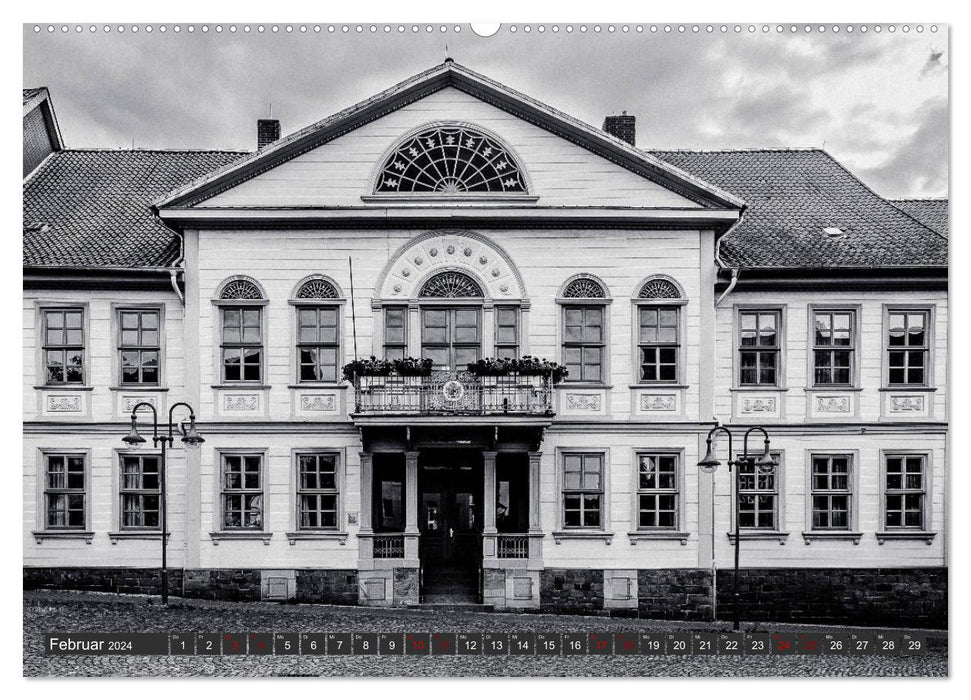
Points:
(453, 393)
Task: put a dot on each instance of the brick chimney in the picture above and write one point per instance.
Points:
(621, 126)
(267, 131)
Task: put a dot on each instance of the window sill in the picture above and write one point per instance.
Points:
(319, 536)
(560, 535)
(242, 385)
(137, 387)
(318, 385)
(658, 385)
(928, 537)
(908, 387)
(137, 535)
(759, 388)
(41, 535)
(808, 537)
(64, 387)
(758, 535)
(582, 385)
(217, 537)
(831, 388)
(645, 535)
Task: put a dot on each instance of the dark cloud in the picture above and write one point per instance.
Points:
(918, 165)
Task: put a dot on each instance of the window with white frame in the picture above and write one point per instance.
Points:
(831, 492)
(758, 347)
(241, 332)
(318, 343)
(834, 340)
(317, 491)
(758, 497)
(242, 491)
(907, 347)
(63, 346)
(584, 335)
(659, 343)
(657, 491)
(139, 346)
(905, 491)
(583, 476)
(395, 332)
(65, 492)
(507, 332)
(140, 491)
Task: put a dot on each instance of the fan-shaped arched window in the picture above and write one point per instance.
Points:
(317, 289)
(451, 160)
(659, 288)
(241, 289)
(584, 288)
(451, 285)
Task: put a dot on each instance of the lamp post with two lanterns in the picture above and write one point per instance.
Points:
(190, 436)
(764, 465)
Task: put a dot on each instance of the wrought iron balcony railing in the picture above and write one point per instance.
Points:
(451, 392)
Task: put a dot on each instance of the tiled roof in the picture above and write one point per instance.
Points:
(792, 196)
(930, 212)
(92, 208)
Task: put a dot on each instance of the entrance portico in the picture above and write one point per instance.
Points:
(450, 514)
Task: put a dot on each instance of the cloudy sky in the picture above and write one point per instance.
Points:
(877, 102)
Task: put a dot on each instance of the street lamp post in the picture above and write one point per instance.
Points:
(190, 437)
(763, 465)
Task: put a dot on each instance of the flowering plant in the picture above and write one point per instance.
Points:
(526, 366)
(373, 367)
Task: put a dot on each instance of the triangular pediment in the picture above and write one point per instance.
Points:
(571, 163)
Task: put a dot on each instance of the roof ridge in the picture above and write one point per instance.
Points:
(775, 149)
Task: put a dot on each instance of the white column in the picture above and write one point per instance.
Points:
(366, 544)
(411, 505)
(534, 487)
(489, 493)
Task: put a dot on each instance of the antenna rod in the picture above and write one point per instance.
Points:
(350, 265)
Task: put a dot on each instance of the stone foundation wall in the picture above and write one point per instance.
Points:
(335, 586)
(106, 579)
(574, 591)
(406, 585)
(223, 584)
(872, 597)
(674, 594)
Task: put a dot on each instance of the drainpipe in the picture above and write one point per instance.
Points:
(731, 286)
(174, 271)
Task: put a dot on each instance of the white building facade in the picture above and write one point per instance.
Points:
(453, 219)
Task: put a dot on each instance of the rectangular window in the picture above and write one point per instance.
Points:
(906, 488)
(64, 346)
(758, 498)
(833, 347)
(657, 491)
(65, 492)
(831, 492)
(318, 343)
(242, 343)
(907, 347)
(140, 491)
(139, 346)
(507, 332)
(451, 337)
(758, 348)
(582, 490)
(659, 343)
(317, 491)
(583, 343)
(242, 492)
(395, 334)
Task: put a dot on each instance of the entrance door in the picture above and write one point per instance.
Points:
(450, 509)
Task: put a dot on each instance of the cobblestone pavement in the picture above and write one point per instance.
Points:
(50, 611)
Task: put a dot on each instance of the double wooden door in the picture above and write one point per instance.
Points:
(450, 512)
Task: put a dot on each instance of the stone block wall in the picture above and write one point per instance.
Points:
(573, 591)
(871, 597)
(406, 584)
(107, 579)
(334, 586)
(223, 584)
(674, 594)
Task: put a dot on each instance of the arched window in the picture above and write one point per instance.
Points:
(317, 289)
(241, 289)
(659, 288)
(658, 322)
(451, 160)
(241, 331)
(584, 330)
(584, 288)
(451, 285)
